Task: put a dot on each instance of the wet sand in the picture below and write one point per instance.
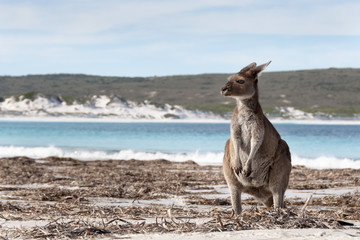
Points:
(67, 198)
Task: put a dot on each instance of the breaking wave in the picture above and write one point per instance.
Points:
(88, 155)
(202, 158)
(323, 162)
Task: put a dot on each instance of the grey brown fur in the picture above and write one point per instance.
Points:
(256, 160)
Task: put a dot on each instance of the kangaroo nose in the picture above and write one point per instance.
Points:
(225, 89)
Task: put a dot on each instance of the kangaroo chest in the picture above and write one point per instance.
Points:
(242, 135)
(242, 131)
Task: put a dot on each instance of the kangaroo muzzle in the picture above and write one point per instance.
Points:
(226, 89)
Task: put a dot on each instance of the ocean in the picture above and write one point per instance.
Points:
(313, 145)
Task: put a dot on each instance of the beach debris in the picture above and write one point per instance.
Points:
(70, 199)
(306, 204)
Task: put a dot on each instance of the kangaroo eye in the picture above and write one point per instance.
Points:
(240, 81)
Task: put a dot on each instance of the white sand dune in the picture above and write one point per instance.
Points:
(97, 107)
(115, 109)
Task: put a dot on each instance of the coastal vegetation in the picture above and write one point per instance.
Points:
(330, 91)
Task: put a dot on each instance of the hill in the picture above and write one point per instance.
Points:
(324, 90)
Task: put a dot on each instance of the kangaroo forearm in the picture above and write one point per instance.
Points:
(236, 161)
(255, 143)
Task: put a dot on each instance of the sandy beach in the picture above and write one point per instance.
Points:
(62, 198)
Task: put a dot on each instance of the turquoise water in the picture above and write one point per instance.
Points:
(202, 142)
(147, 137)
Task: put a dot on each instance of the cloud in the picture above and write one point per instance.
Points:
(191, 17)
(301, 18)
(170, 37)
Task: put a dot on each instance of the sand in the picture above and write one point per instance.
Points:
(288, 234)
(59, 198)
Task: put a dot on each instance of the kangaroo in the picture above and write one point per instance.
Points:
(256, 160)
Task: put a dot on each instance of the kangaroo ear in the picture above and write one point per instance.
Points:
(248, 67)
(255, 72)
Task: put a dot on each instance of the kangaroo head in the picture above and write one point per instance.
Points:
(243, 84)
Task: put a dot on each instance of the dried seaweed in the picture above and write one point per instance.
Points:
(68, 199)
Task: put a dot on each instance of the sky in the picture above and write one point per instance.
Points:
(158, 37)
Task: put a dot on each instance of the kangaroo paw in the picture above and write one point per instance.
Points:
(238, 170)
(246, 172)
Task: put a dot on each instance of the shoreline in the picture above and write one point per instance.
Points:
(201, 158)
(317, 163)
(205, 121)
